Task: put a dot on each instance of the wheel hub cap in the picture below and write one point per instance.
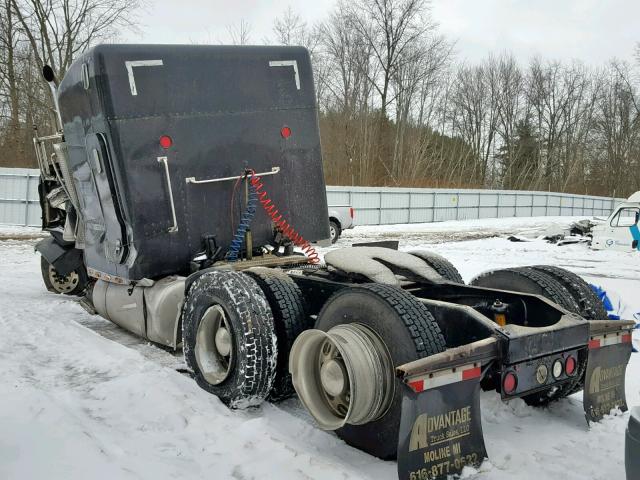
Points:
(332, 376)
(223, 342)
(214, 345)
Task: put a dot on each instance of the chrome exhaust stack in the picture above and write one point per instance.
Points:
(49, 76)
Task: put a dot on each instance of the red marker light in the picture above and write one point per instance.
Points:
(509, 383)
(351, 212)
(165, 141)
(285, 132)
(570, 366)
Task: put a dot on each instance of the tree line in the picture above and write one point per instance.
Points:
(397, 108)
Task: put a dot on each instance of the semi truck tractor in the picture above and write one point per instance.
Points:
(185, 196)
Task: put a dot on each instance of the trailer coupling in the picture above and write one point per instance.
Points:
(441, 428)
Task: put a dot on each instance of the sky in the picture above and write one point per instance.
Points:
(592, 31)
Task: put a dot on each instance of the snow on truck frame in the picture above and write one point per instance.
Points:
(184, 196)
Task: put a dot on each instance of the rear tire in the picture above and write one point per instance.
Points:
(290, 319)
(334, 230)
(73, 283)
(229, 339)
(590, 305)
(440, 264)
(409, 332)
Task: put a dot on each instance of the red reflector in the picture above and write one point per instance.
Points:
(570, 366)
(471, 373)
(285, 132)
(417, 386)
(165, 141)
(594, 344)
(626, 338)
(509, 383)
(351, 212)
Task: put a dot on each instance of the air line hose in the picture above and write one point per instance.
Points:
(245, 223)
(255, 183)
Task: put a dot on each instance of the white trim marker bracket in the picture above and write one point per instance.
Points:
(288, 63)
(139, 63)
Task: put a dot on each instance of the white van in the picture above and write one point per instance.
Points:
(621, 231)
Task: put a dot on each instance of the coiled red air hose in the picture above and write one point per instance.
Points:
(281, 224)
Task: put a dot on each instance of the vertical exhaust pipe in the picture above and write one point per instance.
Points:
(49, 76)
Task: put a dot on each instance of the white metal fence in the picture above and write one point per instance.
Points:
(383, 206)
(19, 204)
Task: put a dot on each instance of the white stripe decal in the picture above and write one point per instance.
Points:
(139, 63)
(599, 341)
(288, 63)
(444, 377)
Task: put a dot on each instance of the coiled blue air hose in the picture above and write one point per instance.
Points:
(245, 223)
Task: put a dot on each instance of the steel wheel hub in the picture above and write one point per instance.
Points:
(63, 283)
(214, 345)
(343, 376)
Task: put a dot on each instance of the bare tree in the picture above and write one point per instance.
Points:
(392, 28)
(38, 32)
(240, 32)
(58, 30)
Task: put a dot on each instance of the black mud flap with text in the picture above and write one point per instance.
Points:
(441, 429)
(604, 384)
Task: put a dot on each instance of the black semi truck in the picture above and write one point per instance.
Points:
(185, 198)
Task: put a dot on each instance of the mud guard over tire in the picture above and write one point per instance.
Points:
(441, 428)
(409, 332)
(229, 337)
(440, 264)
(290, 319)
(604, 380)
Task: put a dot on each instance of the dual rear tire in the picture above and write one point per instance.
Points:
(238, 329)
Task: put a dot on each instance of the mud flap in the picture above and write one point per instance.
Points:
(604, 387)
(441, 430)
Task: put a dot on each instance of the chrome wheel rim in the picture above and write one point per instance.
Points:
(214, 345)
(63, 283)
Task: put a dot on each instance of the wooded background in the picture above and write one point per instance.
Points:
(397, 108)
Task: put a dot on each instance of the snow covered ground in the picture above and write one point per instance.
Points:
(80, 398)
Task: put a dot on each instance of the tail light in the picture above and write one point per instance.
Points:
(509, 383)
(570, 365)
(165, 141)
(351, 212)
(285, 132)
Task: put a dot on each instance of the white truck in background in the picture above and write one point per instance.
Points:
(621, 231)
(340, 218)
